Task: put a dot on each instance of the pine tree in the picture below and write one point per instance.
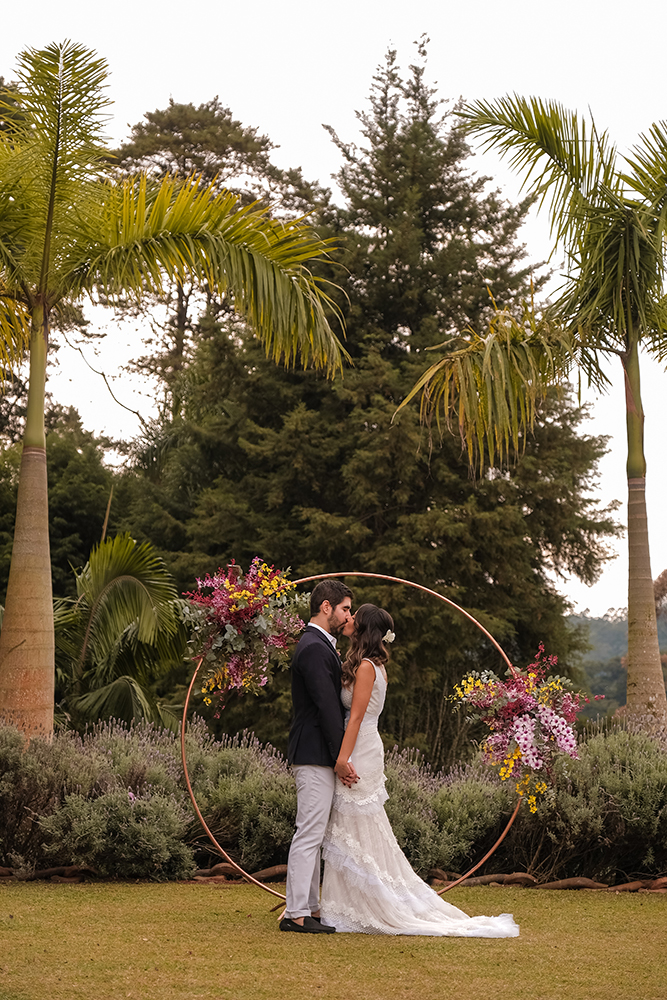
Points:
(320, 477)
(427, 243)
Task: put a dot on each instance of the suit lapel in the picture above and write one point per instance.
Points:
(321, 636)
(330, 646)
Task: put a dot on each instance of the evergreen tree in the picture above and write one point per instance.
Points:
(427, 243)
(319, 477)
(207, 140)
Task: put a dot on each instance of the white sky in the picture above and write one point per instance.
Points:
(289, 67)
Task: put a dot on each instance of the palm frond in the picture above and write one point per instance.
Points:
(168, 718)
(14, 332)
(649, 165)
(566, 163)
(48, 152)
(489, 387)
(124, 586)
(66, 617)
(122, 698)
(60, 93)
(144, 661)
(56, 136)
(148, 233)
(117, 677)
(655, 341)
(14, 313)
(618, 278)
(649, 180)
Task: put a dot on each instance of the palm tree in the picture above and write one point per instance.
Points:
(609, 216)
(123, 632)
(66, 230)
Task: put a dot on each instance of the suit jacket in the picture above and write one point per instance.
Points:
(318, 725)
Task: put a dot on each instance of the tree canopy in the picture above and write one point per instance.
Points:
(249, 458)
(317, 476)
(610, 218)
(68, 229)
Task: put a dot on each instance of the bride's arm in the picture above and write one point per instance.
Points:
(363, 688)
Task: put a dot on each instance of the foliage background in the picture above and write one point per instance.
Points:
(248, 458)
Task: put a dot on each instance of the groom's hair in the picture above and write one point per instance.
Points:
(332, 591)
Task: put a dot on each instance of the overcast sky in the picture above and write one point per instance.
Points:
(289, 67)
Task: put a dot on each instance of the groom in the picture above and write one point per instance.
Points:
(314, 742)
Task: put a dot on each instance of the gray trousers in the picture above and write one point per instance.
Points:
(314, 795)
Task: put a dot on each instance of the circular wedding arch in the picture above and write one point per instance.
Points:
(309, 579)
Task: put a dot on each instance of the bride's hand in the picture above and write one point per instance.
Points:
(346, 772)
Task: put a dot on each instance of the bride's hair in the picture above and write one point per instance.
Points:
(371, 624)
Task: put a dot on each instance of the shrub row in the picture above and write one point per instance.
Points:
(114, 800)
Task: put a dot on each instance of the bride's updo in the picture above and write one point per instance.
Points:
(371, 625)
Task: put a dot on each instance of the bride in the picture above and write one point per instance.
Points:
(369, 886)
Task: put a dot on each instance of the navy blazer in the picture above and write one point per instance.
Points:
(318, 726)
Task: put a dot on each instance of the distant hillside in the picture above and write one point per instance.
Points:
(604, 673)
(608, 636)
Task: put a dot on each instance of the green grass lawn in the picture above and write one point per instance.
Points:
(181, 941)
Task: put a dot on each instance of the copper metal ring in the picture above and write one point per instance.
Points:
(308, 579)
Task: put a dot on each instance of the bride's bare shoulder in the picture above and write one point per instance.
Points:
(371, 668)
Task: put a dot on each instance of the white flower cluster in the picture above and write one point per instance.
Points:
(559, 729)
(523, 729)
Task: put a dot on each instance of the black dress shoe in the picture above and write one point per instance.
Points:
(310, 926)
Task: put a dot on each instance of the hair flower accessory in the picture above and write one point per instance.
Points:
(389, 636)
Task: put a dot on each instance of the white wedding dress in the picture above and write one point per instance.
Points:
(369, 886)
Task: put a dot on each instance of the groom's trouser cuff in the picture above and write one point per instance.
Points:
(314, 795)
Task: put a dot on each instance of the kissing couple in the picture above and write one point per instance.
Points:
(337, 758)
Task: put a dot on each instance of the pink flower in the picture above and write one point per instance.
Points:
(528, 711)
(524, 733)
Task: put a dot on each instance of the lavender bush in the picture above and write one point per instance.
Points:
(114, 799)
(411, 785)
(607, 816)
(247, 794)
(472, 805)
(122, 834)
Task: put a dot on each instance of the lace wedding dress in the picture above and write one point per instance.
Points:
(369, 886)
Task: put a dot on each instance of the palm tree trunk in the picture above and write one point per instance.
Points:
(646, 687)
(26, 642)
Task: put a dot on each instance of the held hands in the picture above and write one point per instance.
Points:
(346, 772)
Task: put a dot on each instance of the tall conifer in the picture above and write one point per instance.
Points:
(317, 476)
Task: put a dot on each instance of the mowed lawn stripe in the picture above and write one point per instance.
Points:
(180, 941)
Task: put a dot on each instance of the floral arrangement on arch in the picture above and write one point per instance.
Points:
(530, 719)
(242, 626)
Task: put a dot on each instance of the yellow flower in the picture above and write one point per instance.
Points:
(523, 786)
